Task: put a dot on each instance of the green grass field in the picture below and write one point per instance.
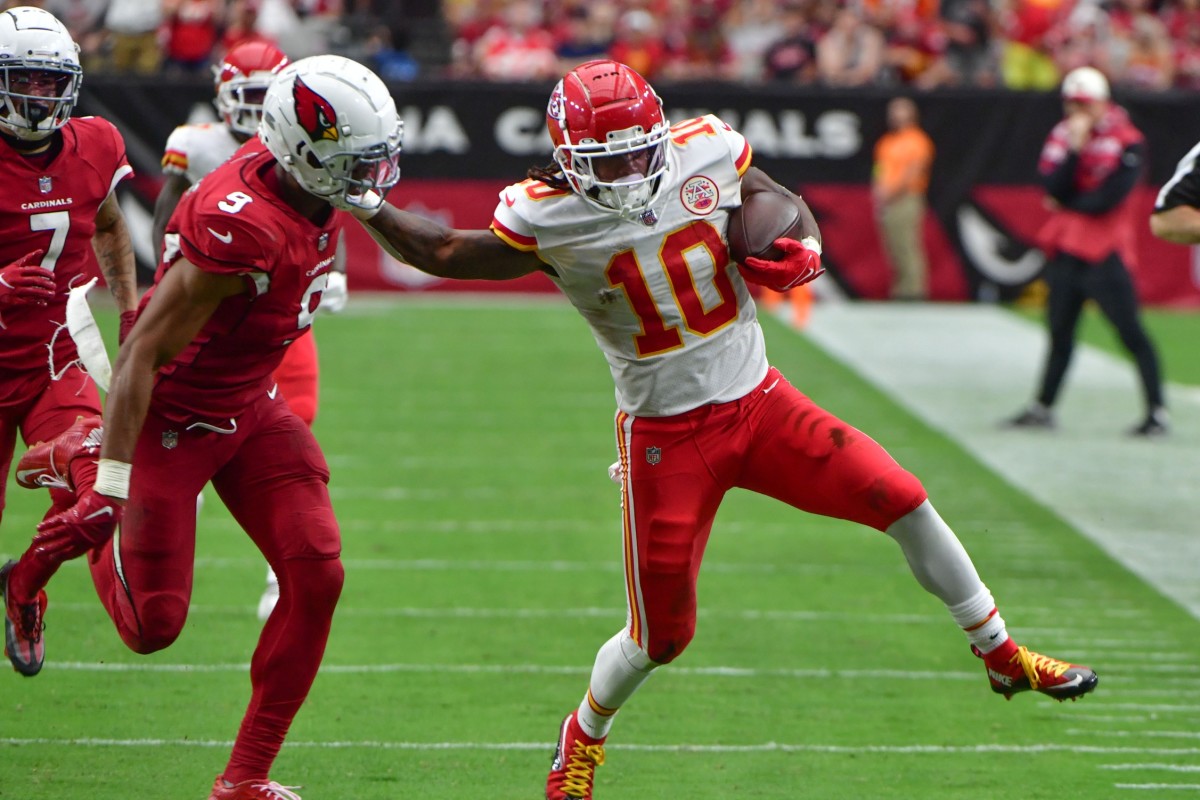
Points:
(468, 444)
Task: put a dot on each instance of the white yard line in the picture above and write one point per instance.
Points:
(962, 369)
(765, 747)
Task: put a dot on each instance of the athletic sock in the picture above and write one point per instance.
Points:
(621, 667)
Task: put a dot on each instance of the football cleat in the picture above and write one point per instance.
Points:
(1012, 669)
(254, 789)
(575, 760)
(48, 464)
(23, 624)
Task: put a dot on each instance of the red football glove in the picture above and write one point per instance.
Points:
(127, 320)
(800, 264)
(23, 283)
(87, 524)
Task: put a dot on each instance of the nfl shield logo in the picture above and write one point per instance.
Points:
(45, 184)
(649, 218)
(170, 440)
(322, 242)
(653, 455)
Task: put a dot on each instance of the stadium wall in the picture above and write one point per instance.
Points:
(465, 141)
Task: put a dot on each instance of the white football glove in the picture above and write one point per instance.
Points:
(336, 295)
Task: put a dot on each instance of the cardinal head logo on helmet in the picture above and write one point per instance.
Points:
(314, 113)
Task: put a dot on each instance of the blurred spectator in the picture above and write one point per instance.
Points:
(915, 52)
(1082, 40)
(191, 33)
(133, 25)
(851, 53)
(903, 159)
(701, 53)
(638, 45)
(969, 57)
(751, 28)
(519, 48)
(1025, 62)
(1149, 62)
(241, 25)
(586, 34)
(794, 56)
(1187, 50)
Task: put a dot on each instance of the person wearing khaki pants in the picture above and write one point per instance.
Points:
(903, 157)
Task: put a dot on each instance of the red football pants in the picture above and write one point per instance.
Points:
(271, 475)
(297, 376)
(774, 441)
(40, 409)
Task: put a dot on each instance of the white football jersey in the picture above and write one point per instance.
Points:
(196, 150)
(665, 303)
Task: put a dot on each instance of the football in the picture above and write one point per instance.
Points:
(762, 218)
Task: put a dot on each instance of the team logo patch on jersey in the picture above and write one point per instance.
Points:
(314, 113)
(45, 184)
(170, 440)
(653, 455)
(699, 195)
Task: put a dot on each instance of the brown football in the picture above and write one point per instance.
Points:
(762, 218)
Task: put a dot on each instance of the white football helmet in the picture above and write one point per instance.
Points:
(40, 74)
(333, 126)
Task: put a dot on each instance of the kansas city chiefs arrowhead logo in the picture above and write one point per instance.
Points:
(314, 113)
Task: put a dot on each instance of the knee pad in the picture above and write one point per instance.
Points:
(669, 641)
(160, 621)
(312, 583)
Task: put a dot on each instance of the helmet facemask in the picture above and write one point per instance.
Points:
(38, 100)
(240, 102)
(364, 176)
(631, 191)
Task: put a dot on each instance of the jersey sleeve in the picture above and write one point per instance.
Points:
(227, 243)
(1183, 189)
(175, 155)
(105, 150)
(510, 221)
(739, 148)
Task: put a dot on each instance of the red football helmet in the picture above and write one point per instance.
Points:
(610, 136)
(242, 79)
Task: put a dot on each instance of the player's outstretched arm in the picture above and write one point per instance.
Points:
(448, 252)
(1180, 225)
(185, 299)
(114, 251)
(755, 180)
(168, 198)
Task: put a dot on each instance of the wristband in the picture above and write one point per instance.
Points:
(112, 479)
(812, 244)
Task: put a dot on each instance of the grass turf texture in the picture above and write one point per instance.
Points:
(468, 445)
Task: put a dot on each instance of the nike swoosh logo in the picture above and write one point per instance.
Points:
(23, 474)
(508, 201)
(272, 391)
(226, 237)
(1078, 679)
(106, 511)
(772, 386)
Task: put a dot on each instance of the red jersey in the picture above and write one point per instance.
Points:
(233, 222)
(52, 206)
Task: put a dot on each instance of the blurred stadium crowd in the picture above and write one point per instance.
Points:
(1144, 45)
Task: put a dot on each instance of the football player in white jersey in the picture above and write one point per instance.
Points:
(193, 151)
(630, 222)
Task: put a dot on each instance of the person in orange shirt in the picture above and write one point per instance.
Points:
(903, 158)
